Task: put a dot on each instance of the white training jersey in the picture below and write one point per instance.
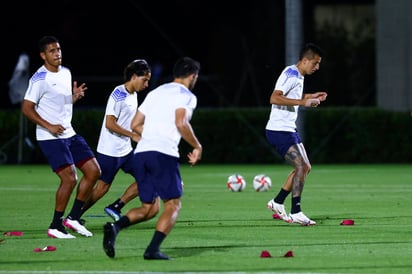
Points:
(159, 107)
(122, 105)
(283, 118)
(52, 94)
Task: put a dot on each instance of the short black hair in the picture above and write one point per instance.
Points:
(310, 50)
(185, 66)
(46, 40)
(139, 67)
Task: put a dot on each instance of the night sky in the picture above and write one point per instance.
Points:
(240, 48)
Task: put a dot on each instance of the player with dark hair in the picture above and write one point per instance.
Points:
(48, 102)
(281, 130)
(114, 148)
(162, 120)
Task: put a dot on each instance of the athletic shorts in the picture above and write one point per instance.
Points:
(66, 152)
(110, 165)
(157, 174)
(282, 140)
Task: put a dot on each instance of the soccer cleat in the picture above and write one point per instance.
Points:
(156, 256)
(109, 239)
(77, 227)
(113, 213)
(279, 209)
(300, 218)
(55, 233)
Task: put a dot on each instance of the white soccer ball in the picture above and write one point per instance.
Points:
(236, 183)
(262, 183)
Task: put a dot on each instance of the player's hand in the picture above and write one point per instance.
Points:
(78, 92)
(194, 156)
(136, 137)
(321, 95)
(56, 129)
(312, 102)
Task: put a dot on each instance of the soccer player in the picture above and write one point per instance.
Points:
(114, 148)
(162, 120)
(48, 102)
(282, 134)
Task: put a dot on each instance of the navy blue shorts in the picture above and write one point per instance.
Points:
(65, 152)
(282, 140)
(157, 174)
(110, 165)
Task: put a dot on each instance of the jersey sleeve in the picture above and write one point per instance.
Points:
(34, 90)
(115, 101)
(287, 80)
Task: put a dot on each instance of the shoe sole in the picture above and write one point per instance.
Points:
(304, 224)
(108, 241)
(69, 236)
(72, 228)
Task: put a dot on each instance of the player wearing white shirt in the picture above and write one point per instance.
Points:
(114, 148)
(281, 131)
(283, 117)
(160, 132)
(48, 103)
(162, 120)
(122, 106)
(55, 92)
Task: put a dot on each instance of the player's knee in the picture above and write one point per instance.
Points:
(307, 168)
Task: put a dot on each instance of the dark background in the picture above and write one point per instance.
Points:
(240, 46)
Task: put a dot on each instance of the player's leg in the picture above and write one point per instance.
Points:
(67, 184)
(99, 190)
(166, 180)
(133, 216)
(62, 164)
(282, 141)
(129, 194)
(114, 209)
(87, 163)
(297, 157)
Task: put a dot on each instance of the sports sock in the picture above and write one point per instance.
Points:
(76, 210)
(117, 205)
(57, 220)
(122, 222)
(295, 205)
(280, 198)
(155, 243)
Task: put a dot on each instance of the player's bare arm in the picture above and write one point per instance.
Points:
(321, 95)
(188, 135)
(28, 109)
(137, 125)
(112, 125)
(278, 98)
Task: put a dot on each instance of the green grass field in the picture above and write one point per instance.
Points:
(223, 231)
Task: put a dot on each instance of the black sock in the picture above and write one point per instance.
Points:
(76, 210)
(123, 222)
(295, 205)
(57, 220)
(280, 198)
(155, 243)
(117, 205)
